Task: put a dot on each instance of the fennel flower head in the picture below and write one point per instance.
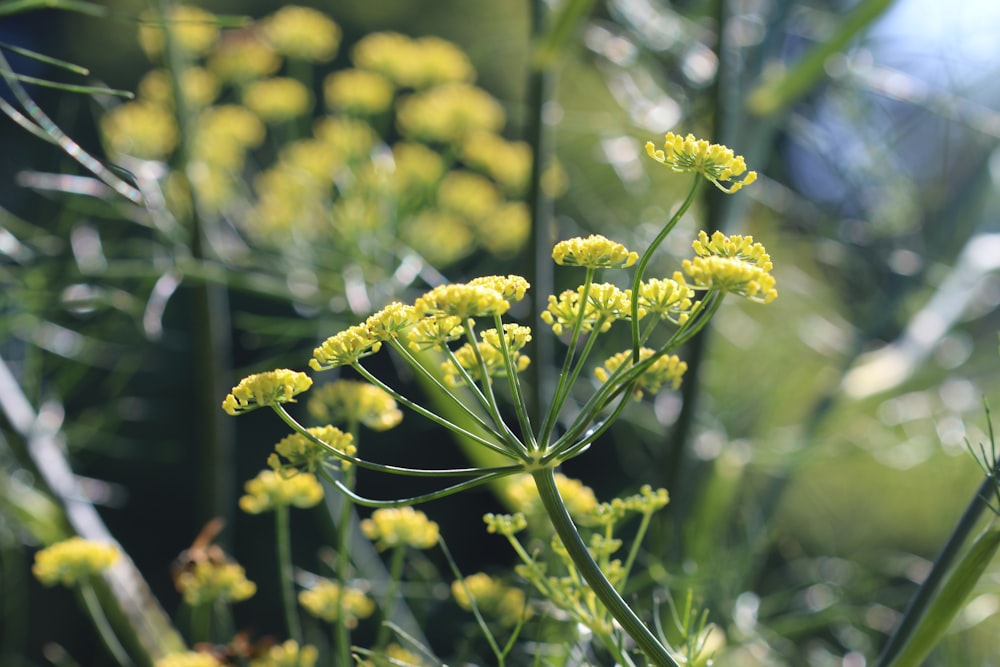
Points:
(400, 526)
(270, 388)
(270, 490)
(73, 560)
(715, 162)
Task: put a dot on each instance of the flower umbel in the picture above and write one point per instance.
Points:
(713, 161)
(207, 581)
(351, 401)
(593, 252)
(333, 603)
(270, 388)
(400, 526)
(302, 453)
(666, 369)
(72, 560)
(270, 489)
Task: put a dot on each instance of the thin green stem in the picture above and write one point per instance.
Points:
(455, 572)
(640, 269)
(283, 539)
(434, 495)
(514, 383)
(487, 384)
(343, 633)
(102, 624)
(633, 551)
(656, 652)
(389, 602)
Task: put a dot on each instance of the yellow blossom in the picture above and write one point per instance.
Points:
(432, 333)
(207, 581)
(739, 247)
(462, 300)
(270, 489)
(395, 655)
(413, 63)
(730, 274)
(223, 134)
(713, 161)
(666, 369)
(505, 230)
(593, 252)
(351, 401)
(331, 602)
(505, 524)
(200, 87)
(302, 33)
(278, 99)
(188, 659)
(492, 358)
(270, 388)
(301, 452)
(358, 91)
(400, 526)
(351, 138)
(289, 654)
(449, 113)
(141, 129)
(493, 599)
(73, 560)
(241, 56)
(193, 29)
(417, 169)
(344, 348)
(605, 304)
(668, 299)
(468, 195)
(391, 321)
(506, 162)
(522, 495)
(511, 287)
(441, 238)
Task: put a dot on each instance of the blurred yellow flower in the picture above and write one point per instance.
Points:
(200, 87)
(522, 495)
(302, 33)
(270, 489)
(413, 63)
(188, 659)
(400, 526)
(358, 91)
(329, 601)
(506, 162)
(278, 99)
(194, 29)
(666, 369)
(449, 113)
(289, 654)
(241, 56)
(469, 195)
(493, 599)
(141, 129)
(352, 401)
(206, 582)
(73, 560)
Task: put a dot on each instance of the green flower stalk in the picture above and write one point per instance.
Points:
(484, 355)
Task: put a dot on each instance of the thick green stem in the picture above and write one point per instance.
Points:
(577, 550)
(285, 573)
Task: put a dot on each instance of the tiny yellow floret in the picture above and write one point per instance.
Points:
(593, 252)
(345, 348)
(666, 369)
(73, 560)
(300, 452)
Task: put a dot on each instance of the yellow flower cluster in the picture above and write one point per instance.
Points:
(449, 113)
(331, 602)
(400, 526)
(668, 299)
(715, 162)
(270, 489)
(344, 348)
(302, 453)
(515, 336)
(192, 28)
(73, 560)
(243, 55)
(270, 388)
(289, 654)
(302, 33)
(188, 659)
(141, 129)
(666, 369)
(206, 582)
(646, 501)
(432, 333)
(358, 91)
(395, 655)
(522, 495)
(506, 162)
(198, 85)
(413, 63)
(731, 275)
(505, 524)
(493, 599)
(593, 252)
(604, 305)
(278, 99)
(353, 402)
(462, 300)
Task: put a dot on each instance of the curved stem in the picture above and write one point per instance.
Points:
(102, 624)
(434, 495)
(640, 269)
(656, 652)
(283, 539)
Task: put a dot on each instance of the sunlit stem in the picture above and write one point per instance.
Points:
(640, 269)
(514, 383)
(102, 625)
(559, 397)
(656, 652)
(633, 551)
(490, 476)
(283, 541)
